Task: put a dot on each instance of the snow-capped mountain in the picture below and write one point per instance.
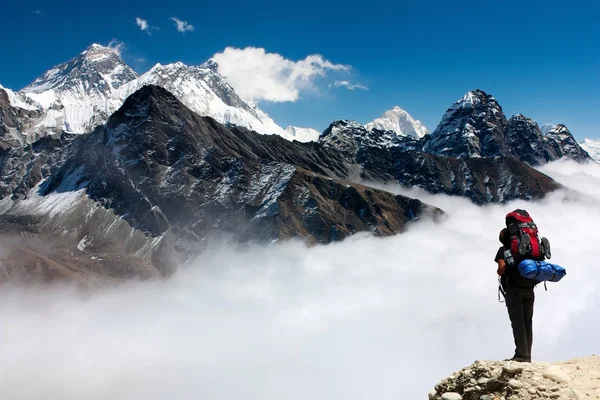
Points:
(399, 121)
(204, 91)
(592, 146)
(78, 95)
(82, 93)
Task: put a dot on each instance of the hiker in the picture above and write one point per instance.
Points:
(519, 297)
(521, 267)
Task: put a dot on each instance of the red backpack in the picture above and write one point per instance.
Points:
(525, 242)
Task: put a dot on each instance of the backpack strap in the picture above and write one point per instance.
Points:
(501, 290)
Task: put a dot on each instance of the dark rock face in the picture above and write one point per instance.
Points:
(13, 121)
(527, 142)
(473, 127)
(23, 167)
(561, 143)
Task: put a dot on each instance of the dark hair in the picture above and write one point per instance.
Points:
(502, 236)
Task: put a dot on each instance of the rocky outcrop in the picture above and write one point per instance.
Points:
(495, 380)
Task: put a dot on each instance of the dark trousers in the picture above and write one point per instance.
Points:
(519, 303)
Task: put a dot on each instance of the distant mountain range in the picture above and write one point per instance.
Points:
(129, 174)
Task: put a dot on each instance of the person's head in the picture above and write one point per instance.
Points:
(503, 235)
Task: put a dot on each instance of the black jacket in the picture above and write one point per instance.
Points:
(512, 277)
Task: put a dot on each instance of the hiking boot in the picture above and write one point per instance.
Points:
(519, 359)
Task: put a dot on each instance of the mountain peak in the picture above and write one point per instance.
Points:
(472, 127)
(95, 48)
(400, 122)
(98, 68)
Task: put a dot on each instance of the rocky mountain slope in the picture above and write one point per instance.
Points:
(157, 180)
(491, 380)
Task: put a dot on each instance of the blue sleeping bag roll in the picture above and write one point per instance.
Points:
(541, 271)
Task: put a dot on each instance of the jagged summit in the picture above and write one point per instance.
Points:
(472, 127)
(400, 122)
(98, 68)
(563, 144)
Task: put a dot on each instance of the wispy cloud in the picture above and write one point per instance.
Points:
(350, 86)
(142, 23)
(257, 75)
(37, 12)
(116, 46)
(145, 26)
(182, 26)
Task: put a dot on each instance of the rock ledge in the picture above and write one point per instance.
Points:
(509, 380)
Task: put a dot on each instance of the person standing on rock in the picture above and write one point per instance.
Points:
(519, 296)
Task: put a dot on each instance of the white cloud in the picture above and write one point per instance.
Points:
(116, 46)
(257, 75)
(142, 23)
(382, 318)
(350, 86)
(182, 26)
(37, 12)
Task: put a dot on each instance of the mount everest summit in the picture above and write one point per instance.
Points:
(128, 174)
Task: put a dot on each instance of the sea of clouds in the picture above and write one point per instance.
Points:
(367, 318)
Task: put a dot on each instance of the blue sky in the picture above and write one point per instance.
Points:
(541, 59)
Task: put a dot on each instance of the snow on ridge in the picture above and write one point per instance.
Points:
(301, 134)
(592, 146)
(204, 92)
(82, 93)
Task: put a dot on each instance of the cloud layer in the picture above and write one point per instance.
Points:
(182, 26)
(365, 318)
(257, 75)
